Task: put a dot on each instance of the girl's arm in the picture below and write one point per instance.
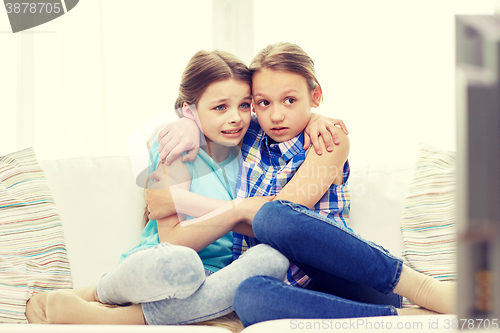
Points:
(316, 174)
(165, 200)
(184, 135)
(200, 232)
(161, 203)
(197, 233)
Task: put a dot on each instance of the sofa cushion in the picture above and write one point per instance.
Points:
(428, 221)
(33, 254)
(101, 209)
(377, 197)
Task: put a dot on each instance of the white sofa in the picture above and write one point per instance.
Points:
(101, 210)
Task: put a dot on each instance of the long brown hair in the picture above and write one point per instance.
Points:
(203, 69)
(286, 57)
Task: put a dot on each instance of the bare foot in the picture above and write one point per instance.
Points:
(35, 308)
(63, 307)
(88, 294)
(427, 292)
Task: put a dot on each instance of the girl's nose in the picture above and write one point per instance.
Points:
(277, 115)
(234, 117)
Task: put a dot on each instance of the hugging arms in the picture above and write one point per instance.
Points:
(274, 163)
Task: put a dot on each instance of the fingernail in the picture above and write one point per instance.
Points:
(329, 148)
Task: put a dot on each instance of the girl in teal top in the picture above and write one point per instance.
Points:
(163, 277)
(209, 179)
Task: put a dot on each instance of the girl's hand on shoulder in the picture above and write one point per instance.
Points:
(248, 207)
(177, 137)
(320, 125)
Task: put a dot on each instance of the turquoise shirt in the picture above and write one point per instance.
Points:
(217, 181)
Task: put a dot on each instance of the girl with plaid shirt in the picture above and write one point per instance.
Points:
(342, 274)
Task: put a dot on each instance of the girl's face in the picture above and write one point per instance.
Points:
(282, 102)
(224, 111)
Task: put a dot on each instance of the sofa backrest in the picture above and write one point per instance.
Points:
(101, 209)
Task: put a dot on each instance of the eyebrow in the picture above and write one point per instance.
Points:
(290, 91)
(286, 92)
(219, 101)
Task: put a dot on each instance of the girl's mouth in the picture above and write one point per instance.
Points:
(279, 130)
(232, 133)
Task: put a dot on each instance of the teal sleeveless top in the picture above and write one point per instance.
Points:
(217, 181)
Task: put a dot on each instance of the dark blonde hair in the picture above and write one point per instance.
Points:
(286, 57)
(205, 68)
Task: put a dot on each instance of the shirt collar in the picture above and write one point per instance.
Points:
(288, 149)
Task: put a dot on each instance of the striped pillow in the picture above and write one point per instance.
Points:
(33, 255)
(428, 222)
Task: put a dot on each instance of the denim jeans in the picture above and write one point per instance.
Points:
(352, 276)
(169, 282)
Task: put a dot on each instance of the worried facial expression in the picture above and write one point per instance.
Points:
(282, 102)
(224, 111)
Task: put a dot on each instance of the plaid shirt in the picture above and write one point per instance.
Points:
(266, 168)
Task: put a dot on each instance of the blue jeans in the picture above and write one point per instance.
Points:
(352, 276)
(169, 282)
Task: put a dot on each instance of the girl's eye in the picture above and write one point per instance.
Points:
(289, 100)
(220, 108)
(263, 103)
(245, 106)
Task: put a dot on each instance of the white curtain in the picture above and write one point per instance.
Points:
(387, 67)
(80, 84)
(98, 72)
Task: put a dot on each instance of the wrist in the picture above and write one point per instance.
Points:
(236, 213)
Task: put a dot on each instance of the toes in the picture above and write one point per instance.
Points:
(35, 309)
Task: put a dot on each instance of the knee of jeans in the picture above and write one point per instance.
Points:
(245, 300)
(278, 264)
(195, 266)
(262, 222)
(188, 265)
(273, 222)
(251, 296)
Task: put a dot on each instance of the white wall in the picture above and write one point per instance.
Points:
(100, 71)
(386, 67)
